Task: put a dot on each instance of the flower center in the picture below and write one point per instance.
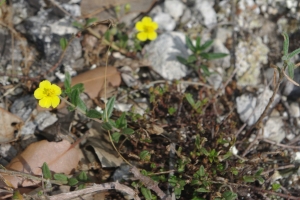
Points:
(49, 92)
(148, 28)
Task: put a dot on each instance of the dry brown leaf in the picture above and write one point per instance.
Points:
(103, 9)
(10, 125)
(60, 157)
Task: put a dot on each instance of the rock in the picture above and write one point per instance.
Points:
(250, 108)
(294, 110)
(45, 119)
(205, 7)
(175, 8)
(23, 106)
(162, 54)
(274, 129)
(165, 22)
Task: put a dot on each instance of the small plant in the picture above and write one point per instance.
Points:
(198, 59)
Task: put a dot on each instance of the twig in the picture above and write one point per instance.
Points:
(96, 188)
(150, 184)
(281, 145)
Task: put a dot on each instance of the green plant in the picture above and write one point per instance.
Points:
(198, 59)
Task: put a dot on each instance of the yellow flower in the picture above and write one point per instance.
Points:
(146, 28)
(47, 94)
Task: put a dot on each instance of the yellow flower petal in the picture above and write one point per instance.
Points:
(154, 25)
(142, 36)
(45, 102)
(146, 20)
(139, 26)
(45, 84)
(56, 89)
(55, 101)
(152, 35)
(38, 93)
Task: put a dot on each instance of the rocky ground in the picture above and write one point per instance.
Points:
(192, 124)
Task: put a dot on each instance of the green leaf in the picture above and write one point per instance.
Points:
(295, 52)
(63, 43)
(190, 99)
(275, 186)
(81, 186)
(109, 108)
(202, 190)
(67, 82)
(146, 193)
(228, 195)
(60, 177)
(90, 21)
(286, 43)
(211, 56)
(79, 87)
(93, 114)
(107, 126)
(145, 155)
(205, 70)
(127, 131)
(72, 181)
(121, 122)
(191, 59)
(46, 171)
(259, 171)
(82, 176)
(206, 45)
(77, 25)
(201, 171)
(198, 42)
(249, 179)
(189, 44)
(116, 137)
(182, 60)
(171, 110)
(260, 180)
(291, 69)
(80, 104)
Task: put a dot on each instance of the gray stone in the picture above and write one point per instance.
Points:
(162, 54)
(165, 22)
(274, 129)
(205, 7)
(175, 8)
(23, 107)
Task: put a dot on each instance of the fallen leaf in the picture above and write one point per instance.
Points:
(60, 157)
(10, 125)
(103, 9)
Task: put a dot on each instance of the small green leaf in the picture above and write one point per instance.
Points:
(93, 114)
(77, 25)
(260, 180)
(285, 44)
(291, 69)
(17, 195)
(146, 193)
(206, 45)
(82, 176)
(249, 179)
(80, 104)
(46, 171)
(145, 155)
(127, 131)
(60, 177)
(171, 110)
(191, 59)
(81, 186)
(79, 87)
(205, 70)
(182, 60)
(228, 195)
(198, 42)
(190, 99)
(259, 171)
(90, 21)
(189, 44)
(121, 122)
(67, 82)
(107, 126)
(202, 190)
(295, 52)
(107, 35)
(72, 181)
(63, 43)
(116, 137)
(275, 186)
(109, 108)
(211, 56)
(201, 171)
